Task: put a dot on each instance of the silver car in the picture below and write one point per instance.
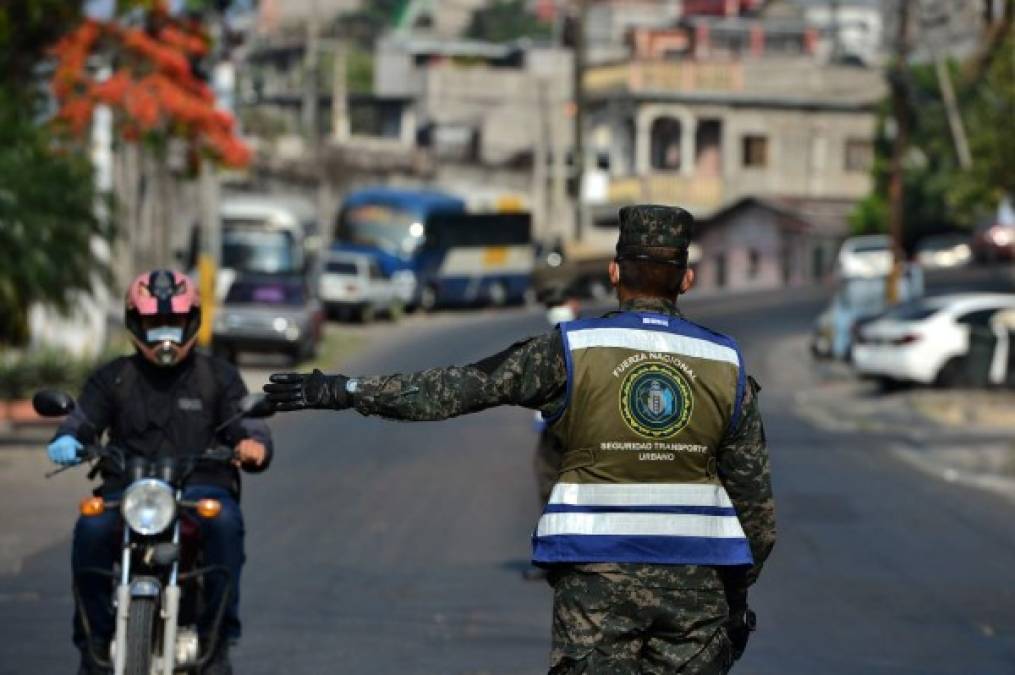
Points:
(268, 314)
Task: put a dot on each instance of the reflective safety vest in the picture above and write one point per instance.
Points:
(650, 398)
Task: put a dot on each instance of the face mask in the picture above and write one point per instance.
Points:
(164, 334)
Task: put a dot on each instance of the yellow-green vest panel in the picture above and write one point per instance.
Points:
(650, 398)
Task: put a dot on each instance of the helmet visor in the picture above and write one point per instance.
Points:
(163, 328)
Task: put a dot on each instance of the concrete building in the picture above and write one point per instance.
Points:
(274, 14)
(495, 116)
(608, 23)
(850, 30)
(707, 134)
(709, 38)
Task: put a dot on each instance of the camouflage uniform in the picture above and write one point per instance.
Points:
(609, 618)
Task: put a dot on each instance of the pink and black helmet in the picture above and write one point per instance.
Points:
(168, 296)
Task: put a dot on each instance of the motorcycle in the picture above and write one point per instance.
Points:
(158, 579)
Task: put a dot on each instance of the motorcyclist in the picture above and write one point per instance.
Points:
(164, 400)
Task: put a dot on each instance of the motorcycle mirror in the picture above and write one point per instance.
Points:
(256, 405)
(52, 403)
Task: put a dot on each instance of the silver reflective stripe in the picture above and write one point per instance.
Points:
(651, 341)
(640, 524)
(640, 494)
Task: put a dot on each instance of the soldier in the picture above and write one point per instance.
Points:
(662, 514)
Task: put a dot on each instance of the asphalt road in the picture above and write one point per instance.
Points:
(380, 547)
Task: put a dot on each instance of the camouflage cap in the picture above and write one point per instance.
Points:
(650, 226)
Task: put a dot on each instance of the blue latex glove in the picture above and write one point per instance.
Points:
(64, 450)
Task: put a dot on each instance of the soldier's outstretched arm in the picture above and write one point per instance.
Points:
(530, 373)
(744, 471)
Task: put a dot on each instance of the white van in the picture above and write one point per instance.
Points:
(266, 234)
(354, 286)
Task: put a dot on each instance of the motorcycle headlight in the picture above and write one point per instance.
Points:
(148, 506)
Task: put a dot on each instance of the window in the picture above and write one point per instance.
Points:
(859, 155)
(978, 318)
(755, 151)
(665, 141)
(753, 263)
(720, 270)
(818, 262)
(340, 267)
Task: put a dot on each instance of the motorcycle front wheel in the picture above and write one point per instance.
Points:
(140, 628)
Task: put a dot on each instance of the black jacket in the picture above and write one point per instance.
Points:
(155, 412)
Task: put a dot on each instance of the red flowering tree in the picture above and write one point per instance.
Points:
(153, 90)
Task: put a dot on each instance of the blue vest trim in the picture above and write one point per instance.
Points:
(569, 367)
(693, 510)
(640, 549)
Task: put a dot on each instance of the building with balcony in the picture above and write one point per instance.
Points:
(707, 135)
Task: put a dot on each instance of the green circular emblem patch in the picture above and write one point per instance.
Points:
(655, 400)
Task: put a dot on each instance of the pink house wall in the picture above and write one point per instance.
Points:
(736, 236)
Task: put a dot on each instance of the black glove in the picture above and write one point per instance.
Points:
(741, 624)
(299, 391)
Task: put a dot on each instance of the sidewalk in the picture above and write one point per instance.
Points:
(961, 436)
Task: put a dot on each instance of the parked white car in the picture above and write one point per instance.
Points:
(944, 250)
(866, 256)
(353, 285)
(926, 341)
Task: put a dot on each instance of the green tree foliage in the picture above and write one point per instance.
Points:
(939, 194)
(47, 198)
(506, 20)
(990, 117)
(27, 29)
(47, 221)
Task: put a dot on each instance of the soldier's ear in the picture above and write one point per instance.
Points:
(687, 282)
(614, 271)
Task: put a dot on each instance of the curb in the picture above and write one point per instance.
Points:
(926, 463)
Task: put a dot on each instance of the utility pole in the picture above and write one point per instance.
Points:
(210, 257)
(540, 160)
(209, 260)
(836, 42)
(578, 158)
(934, 21)
(311, 99)
(900, 113)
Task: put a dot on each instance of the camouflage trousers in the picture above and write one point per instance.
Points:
(607, 624)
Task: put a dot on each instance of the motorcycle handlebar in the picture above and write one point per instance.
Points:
(217, 454)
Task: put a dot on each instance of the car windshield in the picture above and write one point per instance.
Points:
(939, 243)
(389, 229)
(341, 267)
(266, 293)
(869, 247)
(257, 251)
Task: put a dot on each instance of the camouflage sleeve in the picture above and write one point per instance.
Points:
(530, 373)
(744, 471)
